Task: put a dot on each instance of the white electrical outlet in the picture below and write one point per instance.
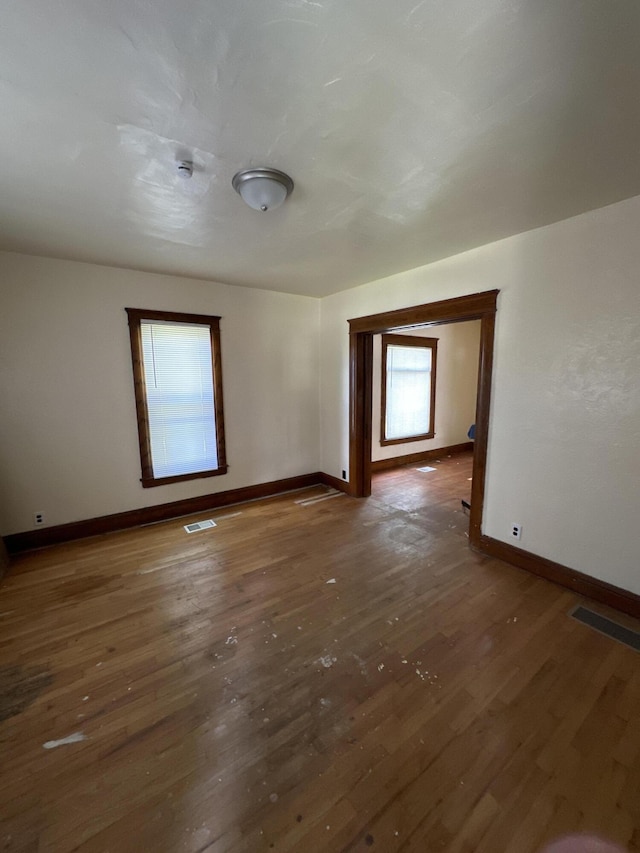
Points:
(38, 518)
(516, 531)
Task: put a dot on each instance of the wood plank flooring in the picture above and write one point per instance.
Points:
(232, 698)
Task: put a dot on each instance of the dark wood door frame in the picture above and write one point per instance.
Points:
(477, 306)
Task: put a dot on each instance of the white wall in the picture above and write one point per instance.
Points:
(564, 442)
(456, 388)
(68, 436)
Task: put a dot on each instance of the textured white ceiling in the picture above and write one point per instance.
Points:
(412, 130)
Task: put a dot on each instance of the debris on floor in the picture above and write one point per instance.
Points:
(76, 737)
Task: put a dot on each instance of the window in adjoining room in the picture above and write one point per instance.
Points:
(408, 388)
(178, 389)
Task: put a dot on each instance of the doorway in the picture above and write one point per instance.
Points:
(478, 306)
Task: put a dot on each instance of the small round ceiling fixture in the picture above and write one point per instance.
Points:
(262, 189)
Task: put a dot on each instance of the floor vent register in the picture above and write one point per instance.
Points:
(607, 627)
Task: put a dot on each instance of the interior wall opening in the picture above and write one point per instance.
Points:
(424, 397)
(478, 306)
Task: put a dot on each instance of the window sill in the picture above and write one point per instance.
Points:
(149, 482)
(386, 441)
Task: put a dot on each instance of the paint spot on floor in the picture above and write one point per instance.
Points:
(76, 737)
(20, 686)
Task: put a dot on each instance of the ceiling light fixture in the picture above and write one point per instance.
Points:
(262, 189)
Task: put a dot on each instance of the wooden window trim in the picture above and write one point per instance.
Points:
(136, 316)
(408, 341)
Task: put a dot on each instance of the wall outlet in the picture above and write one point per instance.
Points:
(38, 518)
(516, 531)
(344, 474)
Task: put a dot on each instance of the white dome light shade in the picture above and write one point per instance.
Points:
(263, 189)
(263, 193)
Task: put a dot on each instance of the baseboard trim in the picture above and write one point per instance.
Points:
(421, 456)
(4, 558)
(605, 593)
(334, 483)
(31, 539)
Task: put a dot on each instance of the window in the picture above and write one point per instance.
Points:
(178, 387)
(408, 388)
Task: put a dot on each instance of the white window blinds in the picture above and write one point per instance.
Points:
(408, 391)
(178, 376)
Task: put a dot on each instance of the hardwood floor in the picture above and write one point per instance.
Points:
(232, 697)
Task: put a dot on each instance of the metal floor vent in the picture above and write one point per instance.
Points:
(199, 525)
(607, 627)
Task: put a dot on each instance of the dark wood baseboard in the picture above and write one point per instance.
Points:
(605, 593)
(4, 558)
(334, 483)
(30, 539)
(421, 456)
